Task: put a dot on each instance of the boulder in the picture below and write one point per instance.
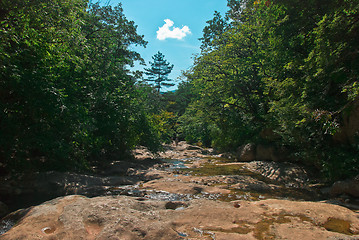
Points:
(246, 153)
(121, 217)
(350, 187)
(266, 153)
(286, 173)
(271, 153)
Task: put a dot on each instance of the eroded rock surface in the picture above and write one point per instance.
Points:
(122, 217)
(183, 193)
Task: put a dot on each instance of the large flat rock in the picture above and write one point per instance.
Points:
(122, 217)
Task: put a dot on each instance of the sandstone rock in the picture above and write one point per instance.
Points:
(247, 153)
(120, 217)
(182, 187)
(350, 187)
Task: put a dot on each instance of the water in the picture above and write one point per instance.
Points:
(173, 164)
(6, 225)
(225, 175)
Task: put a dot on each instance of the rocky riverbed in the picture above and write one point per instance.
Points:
(185, 192)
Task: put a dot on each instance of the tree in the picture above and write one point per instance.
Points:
(66, 97)
(287, 66)
(159, 71)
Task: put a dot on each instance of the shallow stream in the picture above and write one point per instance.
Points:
(219, 173)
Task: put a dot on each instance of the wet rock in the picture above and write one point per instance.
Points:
(350, 187)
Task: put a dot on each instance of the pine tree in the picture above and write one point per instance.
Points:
(158, 73)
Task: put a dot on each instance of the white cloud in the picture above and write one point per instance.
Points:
(168, 31)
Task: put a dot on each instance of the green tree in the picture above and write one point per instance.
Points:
(158, 73)
(67, 99)
(285, 65)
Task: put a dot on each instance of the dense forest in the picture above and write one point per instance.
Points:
(278, 73)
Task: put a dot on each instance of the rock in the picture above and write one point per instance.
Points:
(183, 188)
(121, 217)
(28, 190)
(287, 173)
(175, 205)
(271, 153)
(350, 187)
(266, 153)
(247, 153)
(60, 184)
(247, 183)
(192, 147)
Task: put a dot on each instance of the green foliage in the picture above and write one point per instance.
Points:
(194, 127)
(164, 123)
(66, 98)
(289, 66)
(158, 73)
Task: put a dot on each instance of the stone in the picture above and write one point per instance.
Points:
(271, 153)
(122, 217)
(175, 205)
(350, 187)
(287, 173)
(246, 153)
(266, 153)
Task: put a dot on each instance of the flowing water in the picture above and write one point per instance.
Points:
(217, 172)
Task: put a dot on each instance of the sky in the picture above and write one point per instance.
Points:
(172, 27)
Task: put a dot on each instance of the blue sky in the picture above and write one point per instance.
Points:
(181, 21)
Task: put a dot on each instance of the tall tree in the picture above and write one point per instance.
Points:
(66, 98)
(286, 66)
(158, 73)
